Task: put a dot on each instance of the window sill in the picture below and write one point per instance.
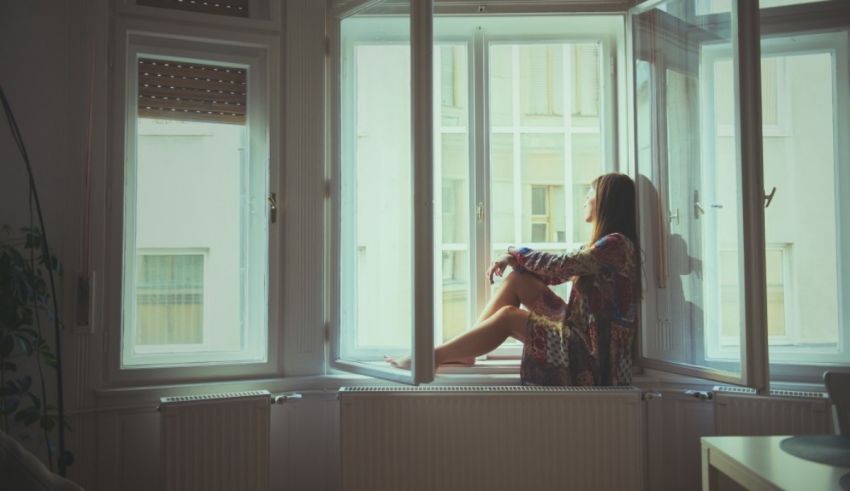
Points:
(489, 372)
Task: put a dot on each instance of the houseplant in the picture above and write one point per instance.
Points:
(25, 302)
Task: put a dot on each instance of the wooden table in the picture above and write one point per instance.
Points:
(757, 463)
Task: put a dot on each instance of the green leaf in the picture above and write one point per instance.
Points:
(7, 344)
(47, 423)
(8, 405)
(23, 384)
(24, 343)
(36, 402)
(28, 416)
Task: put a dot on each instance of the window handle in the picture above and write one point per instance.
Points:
(479, 211)
(273, 207)
(673, 216)
(698, 209)
(769, 197)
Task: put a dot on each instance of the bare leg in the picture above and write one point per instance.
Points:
(487, 336)
(517, 289)
(499, 319)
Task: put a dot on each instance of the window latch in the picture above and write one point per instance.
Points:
(673, 216)
(768, 198)
(698, 209)
(479, 211)
(273, 207)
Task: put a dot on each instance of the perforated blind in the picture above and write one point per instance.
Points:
(233, 8)
(191, 91)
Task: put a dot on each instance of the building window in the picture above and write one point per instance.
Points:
(170, 299)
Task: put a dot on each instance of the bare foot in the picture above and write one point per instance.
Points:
(402, 362)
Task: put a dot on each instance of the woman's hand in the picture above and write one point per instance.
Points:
(498, 267)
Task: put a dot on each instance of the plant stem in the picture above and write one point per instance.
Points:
(36, 319)
(16, 134)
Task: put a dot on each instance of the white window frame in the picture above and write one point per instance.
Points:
(718, 347)
(777, 21)
(610, 36)
(260, 52)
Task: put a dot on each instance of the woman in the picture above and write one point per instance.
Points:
(587, 341)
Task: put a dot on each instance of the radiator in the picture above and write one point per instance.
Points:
(738, 411)
(494, 438)
(215, 442)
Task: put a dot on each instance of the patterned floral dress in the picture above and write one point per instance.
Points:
(588, 340)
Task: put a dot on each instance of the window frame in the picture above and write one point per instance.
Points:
(612, 45)
(762, 25)
(261, 53)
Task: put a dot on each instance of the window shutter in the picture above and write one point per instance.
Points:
(190, 91)
(233, 8)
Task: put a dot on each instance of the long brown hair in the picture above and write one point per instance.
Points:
(614, 211)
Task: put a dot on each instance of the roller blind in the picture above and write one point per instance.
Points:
(191, 91)
(233, 8)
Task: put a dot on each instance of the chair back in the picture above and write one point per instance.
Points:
(838, 387)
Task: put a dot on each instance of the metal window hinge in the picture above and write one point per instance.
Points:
(328, 188)
(273, 207)
(479, 211)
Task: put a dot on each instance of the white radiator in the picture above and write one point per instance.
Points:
(738, 411)
(215, 442)
(493, 438)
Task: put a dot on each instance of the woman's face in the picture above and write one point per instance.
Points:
(590, 206)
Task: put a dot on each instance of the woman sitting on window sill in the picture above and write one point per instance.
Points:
(586, 341)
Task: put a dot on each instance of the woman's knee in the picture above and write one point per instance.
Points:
(508, 311)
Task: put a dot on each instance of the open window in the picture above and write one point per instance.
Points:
(523, 121)
(745, 272)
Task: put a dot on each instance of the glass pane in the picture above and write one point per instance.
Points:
(454, 240)
(503, 82)
(541, 84)
(542, 162)
(376, 183)
(802, 222)
(704, 7)
(546, 148)
(196, 233)
(502, 189)
(450, 87)
(686, 100)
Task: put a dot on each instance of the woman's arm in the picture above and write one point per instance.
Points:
(608, 254)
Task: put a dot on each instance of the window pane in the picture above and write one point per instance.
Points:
(452, 91)
(377, 254)
(502, 189)
(503, 85)
(802, 223)
(691, 187)
(195, 258)
(542, 162)
(541, 82)
(454, 170)
(720, 6)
